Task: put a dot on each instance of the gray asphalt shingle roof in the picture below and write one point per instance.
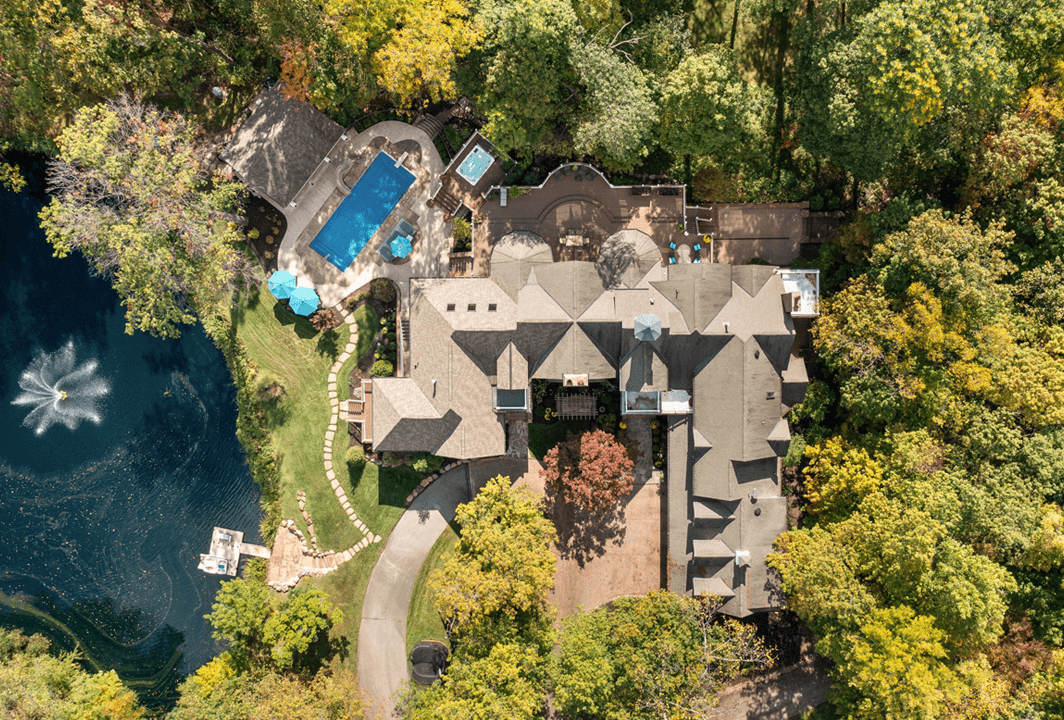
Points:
(280, 145)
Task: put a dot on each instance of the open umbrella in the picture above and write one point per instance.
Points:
(647, 327)
(303, 301)
(401, 246)
(282, 283)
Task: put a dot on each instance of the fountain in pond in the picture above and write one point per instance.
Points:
(60, 392)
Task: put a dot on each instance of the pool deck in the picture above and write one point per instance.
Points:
(322, 194)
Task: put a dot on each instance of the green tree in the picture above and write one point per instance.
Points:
(129, 195)
(895, 667)
(705, 105)
(238, 615)
(871, 88)
(962, 263)
(583, 666)
(838, 477)
(502, 561)
(34, 684)
(304, 619)
(619, 115)
(527, 69)
(659, 655)
(508, 683)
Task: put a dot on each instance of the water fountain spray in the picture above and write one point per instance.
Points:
(60, 392)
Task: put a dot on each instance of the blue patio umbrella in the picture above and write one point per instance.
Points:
(282, 283)
(303, 301)
(401, 246)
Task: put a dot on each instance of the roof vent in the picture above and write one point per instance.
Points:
(726, 326)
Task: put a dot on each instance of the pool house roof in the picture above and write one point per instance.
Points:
(280, 145)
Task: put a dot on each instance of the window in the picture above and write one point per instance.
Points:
(450, 307)
(492, 307)
(472, 307)
(512, 400)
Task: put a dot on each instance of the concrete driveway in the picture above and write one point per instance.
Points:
(382, 664)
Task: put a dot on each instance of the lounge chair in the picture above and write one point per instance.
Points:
(672, 261)
(672, 246)
(697, 247)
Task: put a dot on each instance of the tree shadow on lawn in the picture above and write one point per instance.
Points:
(582, 534)
(394, 484)
(286, 317)
(329, 344)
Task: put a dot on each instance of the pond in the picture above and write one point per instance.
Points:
(109, 494)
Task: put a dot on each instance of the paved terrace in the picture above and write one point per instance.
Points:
(580, 203)
(322, 193)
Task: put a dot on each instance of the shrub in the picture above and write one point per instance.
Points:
(382, 368)
(253, 233)
(383, 291)
(462, 232)
(356, 456)
(325, 320)
(426, 463)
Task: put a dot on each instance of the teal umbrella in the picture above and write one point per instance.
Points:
(401, 246)
(282, 283)
(303, 301)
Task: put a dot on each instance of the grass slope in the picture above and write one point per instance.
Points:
(289, 351)
(422, 620)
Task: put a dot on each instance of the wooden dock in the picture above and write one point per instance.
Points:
(226, 548)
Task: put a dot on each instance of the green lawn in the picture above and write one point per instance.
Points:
(378, 496)
(422, 620)
(289, 351)
(543, 436)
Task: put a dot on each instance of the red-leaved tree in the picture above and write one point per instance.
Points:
(592, 470)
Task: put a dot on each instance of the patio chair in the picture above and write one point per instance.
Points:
(672, 261)
(698, 260)
(672, 246)
(697, 247)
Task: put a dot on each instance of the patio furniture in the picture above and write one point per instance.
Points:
(672, 260)
(672, 246)
(697, 247)
(698, 259)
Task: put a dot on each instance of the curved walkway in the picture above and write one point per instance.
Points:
(382, 664)
(292, 558)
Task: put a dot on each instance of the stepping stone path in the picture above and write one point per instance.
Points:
(314, 561)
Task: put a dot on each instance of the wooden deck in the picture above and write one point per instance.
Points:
(581, 203)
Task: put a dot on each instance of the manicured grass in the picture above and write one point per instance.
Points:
(422, 620)
(543, 436)
(289, 351)
(378, 496)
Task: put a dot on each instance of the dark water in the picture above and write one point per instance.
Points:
(101, 527)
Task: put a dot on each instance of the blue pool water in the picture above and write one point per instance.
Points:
(360, 214)
(475, 165)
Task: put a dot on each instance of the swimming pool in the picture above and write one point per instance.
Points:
(476, 163)
(359, 215)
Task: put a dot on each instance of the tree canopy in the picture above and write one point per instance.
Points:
(128, 193)
(502, 563)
